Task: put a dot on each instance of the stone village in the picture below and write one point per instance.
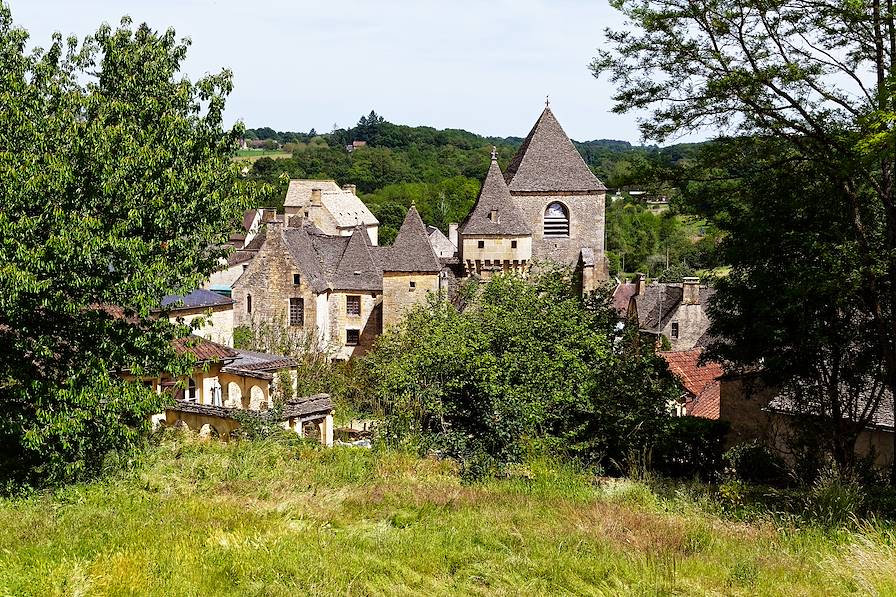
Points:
(318, 269)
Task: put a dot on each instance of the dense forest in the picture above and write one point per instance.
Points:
(440, 171)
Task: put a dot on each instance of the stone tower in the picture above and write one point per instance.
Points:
(561, 200)
(495, 236)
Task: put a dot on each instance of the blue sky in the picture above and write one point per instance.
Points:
(482, 66)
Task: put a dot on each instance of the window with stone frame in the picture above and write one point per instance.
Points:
(674, 333)
(353, 305)
(352, 337)
(556, 220)
(296, 279)
(296, 311)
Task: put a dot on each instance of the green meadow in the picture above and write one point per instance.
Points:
(277, 517)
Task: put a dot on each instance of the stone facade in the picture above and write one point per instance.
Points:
(403, 290)
(586, 227)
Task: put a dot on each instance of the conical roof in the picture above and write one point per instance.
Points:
(411, 251)
(547, 161)
(495, 213)
(357, 270)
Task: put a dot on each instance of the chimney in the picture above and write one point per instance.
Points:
(691, 291)
(315, 198)
(268, 214)
(350, 188)
(452, 233)
(640, 283)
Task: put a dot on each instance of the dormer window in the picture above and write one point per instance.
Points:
(556, 220)
(493, 215)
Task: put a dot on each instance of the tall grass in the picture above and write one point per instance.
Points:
(281, 517)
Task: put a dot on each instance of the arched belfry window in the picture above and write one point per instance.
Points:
(556, 220)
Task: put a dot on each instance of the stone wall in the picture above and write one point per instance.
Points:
(692, 324)
(586, 227)
(399, 295)
(368, 323)
(218, 325)
(497, 254)
(269, 280)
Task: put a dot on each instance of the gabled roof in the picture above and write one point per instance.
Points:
(495, 212)
(622, 295)
(548, 161)
(411, 251)
(304, 254)
(197, 299)
(298, 194)
(357, 269)
(656, 304)
(685, 365)
(441, 245)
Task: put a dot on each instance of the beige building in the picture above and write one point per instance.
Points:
(333, 287)
(213, 311)
(676, 311)
(332, 209)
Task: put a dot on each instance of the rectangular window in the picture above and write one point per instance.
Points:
(352, 337)
(353, 305)
(296, 279)
(675, 331)
(513, 244)
(296, 311)
(482, 244)
(412, 285)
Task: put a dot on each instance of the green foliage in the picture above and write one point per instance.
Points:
(691, 446)
(116, 188)
(522, 360)
(753, 462)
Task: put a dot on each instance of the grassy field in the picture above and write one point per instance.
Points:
(270, 518)
(251, 155)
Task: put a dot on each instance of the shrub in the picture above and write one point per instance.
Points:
(834, 498)
(753, 462)
(690, 446)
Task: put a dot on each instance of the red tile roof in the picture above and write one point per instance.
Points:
(204, 350)
(684, 364)
(706, 405)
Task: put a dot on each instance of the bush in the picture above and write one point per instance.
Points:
(755, 463)
(834, 498)
(691, 446)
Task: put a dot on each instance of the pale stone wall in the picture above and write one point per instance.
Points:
(368, 322)
(226, 277)
(398, 295)
(237, 390)
(269, 280)
(692, 324)
(497, 254)
(586, 227)
(218, 324)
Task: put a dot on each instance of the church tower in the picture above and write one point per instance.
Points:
(561, 200)
(495, 236)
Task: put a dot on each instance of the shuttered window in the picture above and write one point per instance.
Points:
(556, 220)
(296, 311)
(353, 305)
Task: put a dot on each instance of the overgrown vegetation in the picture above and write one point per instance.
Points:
(280, 517)
(520, 361)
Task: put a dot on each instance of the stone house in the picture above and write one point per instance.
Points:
(225, 381)
(676, 311)
(215, 310)
(758, 412)
(335, 287)
(332, 209)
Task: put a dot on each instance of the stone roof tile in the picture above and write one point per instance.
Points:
(411, 251)
(495, 212)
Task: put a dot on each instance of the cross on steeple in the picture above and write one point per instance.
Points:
(547, 101)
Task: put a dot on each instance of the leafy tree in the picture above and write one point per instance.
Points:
(518, 361)
(817, 75)
(116, 188)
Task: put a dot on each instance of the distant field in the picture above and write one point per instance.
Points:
(250, 155)
(270, 518)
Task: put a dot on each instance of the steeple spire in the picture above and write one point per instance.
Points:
(547, 101)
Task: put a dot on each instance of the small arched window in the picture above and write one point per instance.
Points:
(556, 220)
